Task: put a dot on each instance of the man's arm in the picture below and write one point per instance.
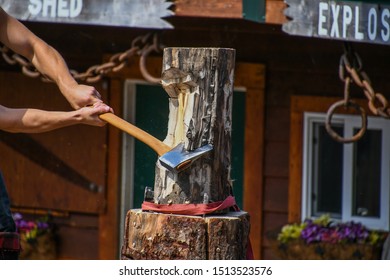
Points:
(37, 121)
(46, 59)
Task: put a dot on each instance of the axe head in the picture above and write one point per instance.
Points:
(179, 158)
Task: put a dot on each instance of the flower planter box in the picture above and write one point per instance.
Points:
(43, 247)
(298, 250)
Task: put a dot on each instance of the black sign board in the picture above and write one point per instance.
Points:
(130, 13)
(340, 20)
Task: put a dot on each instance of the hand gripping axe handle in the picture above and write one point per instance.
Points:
(174, 159)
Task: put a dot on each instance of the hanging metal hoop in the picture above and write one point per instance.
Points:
(356, 107)
(142, 62)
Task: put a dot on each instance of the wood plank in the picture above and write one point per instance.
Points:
(276, 159)
(275, 12)
(275, 195)
(109, 220)
(273, 222)
(228, 9)
(77, 243)
(209, 8)
(295, 165)
(277, 124)
(253, 79)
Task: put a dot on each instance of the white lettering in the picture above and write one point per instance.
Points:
(334, 32)
(358, 35)
(63, 11)
(52, 4)
(386, 31)
(347, 19)
(56, 8)
(372, 24)
(35, 7)
(75, 8)
(322, 19)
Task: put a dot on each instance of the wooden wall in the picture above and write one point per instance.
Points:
(38, 168)
(294, 66)
(228, 9)
(38, 171)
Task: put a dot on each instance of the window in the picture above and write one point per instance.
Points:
(347, 181)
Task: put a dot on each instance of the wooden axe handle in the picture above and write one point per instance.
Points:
(159, 147)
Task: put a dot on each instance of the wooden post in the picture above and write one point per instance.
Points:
(199, 82)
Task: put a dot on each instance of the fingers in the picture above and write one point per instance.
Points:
(102, 107)
(91, 113)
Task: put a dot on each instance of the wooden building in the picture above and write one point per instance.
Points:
(278, 77)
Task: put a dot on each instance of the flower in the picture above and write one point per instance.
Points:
(323, 229)
(31, 229)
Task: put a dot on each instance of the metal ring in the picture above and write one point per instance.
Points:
(328, 122)
(142, 64)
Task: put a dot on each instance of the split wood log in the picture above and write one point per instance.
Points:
(156, 236)
(199, 82)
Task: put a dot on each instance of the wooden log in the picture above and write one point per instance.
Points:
(156, 236)
(199, 82)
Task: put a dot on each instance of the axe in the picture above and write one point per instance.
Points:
(174, 159)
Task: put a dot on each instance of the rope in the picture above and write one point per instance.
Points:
(189, 209)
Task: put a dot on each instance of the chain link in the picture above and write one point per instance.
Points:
(142, 46)
(351, 71)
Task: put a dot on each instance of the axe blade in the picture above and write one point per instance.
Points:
(179, 158)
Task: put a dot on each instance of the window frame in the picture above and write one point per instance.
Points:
(299, 105)
(349, 123)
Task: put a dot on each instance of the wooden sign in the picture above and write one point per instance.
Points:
(340, 20)
(130, 13)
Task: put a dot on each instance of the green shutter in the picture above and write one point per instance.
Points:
(254, 10)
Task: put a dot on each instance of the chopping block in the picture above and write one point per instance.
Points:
(156, 236)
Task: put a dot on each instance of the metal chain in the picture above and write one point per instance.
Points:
(351, 71)
(141, 45)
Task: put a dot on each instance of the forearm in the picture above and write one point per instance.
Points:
(37, 121)
(50, 63)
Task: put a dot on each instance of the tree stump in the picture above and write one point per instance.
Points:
(199, 82)
(155, 236)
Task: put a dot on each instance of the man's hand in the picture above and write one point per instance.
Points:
(90, 114)
(81, 95)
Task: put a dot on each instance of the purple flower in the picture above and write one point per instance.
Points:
(42, 225)
(30, 227)
(334, 233)
(17, 216)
